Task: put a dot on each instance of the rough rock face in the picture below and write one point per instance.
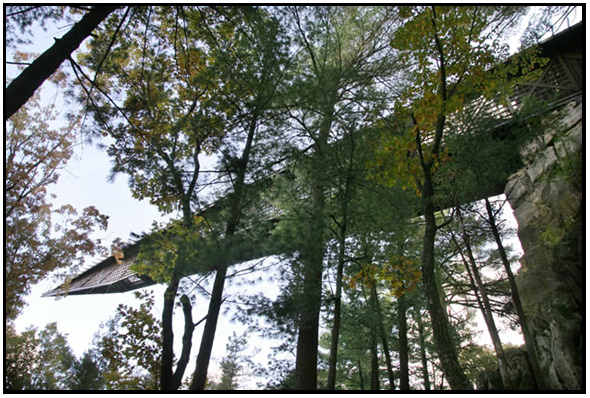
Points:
(546, 197)
(519, 368)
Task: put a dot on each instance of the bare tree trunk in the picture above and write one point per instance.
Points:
(361, 375)
(166, 374)
(402, 325)
(440, 324)
(313, 259)
(309, 318)
(485, 302)
(528, 338)
(423, 358)
(333, 360)
(24, 86)
(204, 356)
(187, 341)
(384, 344)
(374, 362)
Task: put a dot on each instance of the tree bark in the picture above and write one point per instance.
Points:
(362, 386)
(24, 86)
(166, 374)
(528, 338)
(204, 356)
(313, 259)
(307, 339)
(187, 339)
(374, 362)
(383, 336)
(335, 335)
(440, 324)
(404, 378)
(485, 303)
(423, 358)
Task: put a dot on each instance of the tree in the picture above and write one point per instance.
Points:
(340, 57)
(20, 358)
(483, 161)
(87, 372)
(205, 87)
(250, 65)
(232, 364)
(483, 300)
(54, 362)
(38, 360)
(24, 86)
(159, 130)
(40, 239)
(454, 48)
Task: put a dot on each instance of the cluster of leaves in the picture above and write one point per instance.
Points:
(233, 365)
(444, 80)
(400, 275)
(130, 346)
(39, 238)
(20, 20)
(43, 360)
(161, 249)
(125, 355)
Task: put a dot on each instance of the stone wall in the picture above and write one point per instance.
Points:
(546, 197)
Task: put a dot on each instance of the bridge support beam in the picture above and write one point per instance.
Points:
(546, 197)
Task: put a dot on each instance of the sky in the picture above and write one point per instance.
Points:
(84, 183)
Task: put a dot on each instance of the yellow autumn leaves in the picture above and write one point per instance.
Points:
(400, 275)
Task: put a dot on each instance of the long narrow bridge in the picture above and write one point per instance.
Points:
(560, 82)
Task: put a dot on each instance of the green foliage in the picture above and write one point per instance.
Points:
(476, 359)
(20, 20)
(130, 346)
(459, 57)
(87, 372)
(233, 364)
(166, 117)
(19, 358)
(160, 251)
(356, 99)
(554, 234)
(38, 360)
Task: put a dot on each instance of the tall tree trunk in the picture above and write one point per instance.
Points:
(362, 386)
(487, 308)
(187, 341)
(402, 325)
(313, 259)
(24, 86)
(374, 362)
(383, 336)
(335, 335)
(204, 356)
(307, 339)
(440, 324)
(528, 338)
(166, 374)
(423, 357)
